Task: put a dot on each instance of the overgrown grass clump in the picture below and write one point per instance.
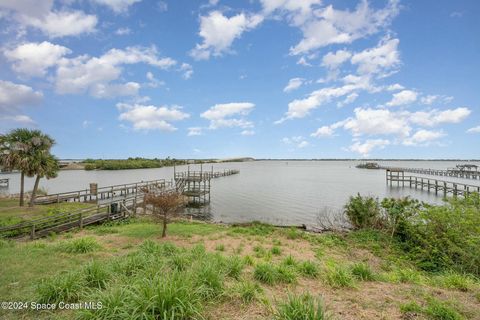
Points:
(338, 276)
(81, 245)
(301, 307)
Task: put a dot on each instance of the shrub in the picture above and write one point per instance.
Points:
(363, 212)
(303, 307)
(363, 272)
(308, 268)
(81, 245)
(266, 273)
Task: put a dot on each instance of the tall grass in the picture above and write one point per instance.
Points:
(81, 245)
(302, 307)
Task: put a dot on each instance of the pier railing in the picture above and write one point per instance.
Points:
(96, 195)
(397, 176)
(450, 172)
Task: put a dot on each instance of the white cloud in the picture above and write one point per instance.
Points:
(150, 117)
(297, 141)
(378, 60)
(474, 130)
(229, 115)
(403, 97)
(20, 119)
(219, 32)
(187, 70)
(377, 122)
(349, 99)
(299, 108)
(334, 60)
(118, 6)
(247, 133)
(195, 131)
(123, 31)
(62, 23)
(423, 137)
(14, 96)
(95, 74)
(326, 26)
(293, 84)
(435, 117)
(324, 131)
(40, 15)
(430, 99)
(366, 147)
(395, 87)
(33, 59)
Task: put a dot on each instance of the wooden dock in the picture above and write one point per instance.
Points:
(439, 187)
(101, 195)
(450, 172)
(4, 182)
(196, 184)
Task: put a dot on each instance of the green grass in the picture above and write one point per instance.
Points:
(338, 276)
(439, 310)
(80, 245)
(275, 250)
(220, 247)
(286, 274)
(301, 307)
(248, 291)
(454, 280)
(308, 269)
(265, 273)
(362, 271)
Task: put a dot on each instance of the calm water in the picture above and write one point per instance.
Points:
(279, 192)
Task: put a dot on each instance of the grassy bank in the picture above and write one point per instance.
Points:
(130, 163)
(207, 271)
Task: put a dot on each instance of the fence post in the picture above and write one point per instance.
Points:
(32, 232)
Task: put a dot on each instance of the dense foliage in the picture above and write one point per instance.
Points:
(435, 237)
(130, 163)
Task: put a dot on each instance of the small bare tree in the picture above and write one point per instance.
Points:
(164, 204)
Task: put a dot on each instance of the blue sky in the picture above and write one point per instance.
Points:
(260, 78)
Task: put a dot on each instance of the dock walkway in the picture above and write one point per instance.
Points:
(451, 172)
(431, 185)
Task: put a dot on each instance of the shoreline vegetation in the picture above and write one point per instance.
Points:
(401, 259)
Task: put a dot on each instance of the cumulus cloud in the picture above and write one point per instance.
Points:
(195, 131)
(423, 137)
(229, 115)
(334, 60)
(18, 119)
(14, 96)
(118, 6)
(187, 70)
(293, 84)
(474, 130)
(403, 97)
(435, 117)
(297, 141)
(123, 31)
(324, 131)
(247, 133)
(326, 26)
(366, 147)
(219, 31)
(379, 60)
(95, 74)
(33, 59)
(149, 117)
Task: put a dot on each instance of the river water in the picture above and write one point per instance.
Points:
(278, 192)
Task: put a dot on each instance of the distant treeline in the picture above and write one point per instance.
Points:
(130, 163)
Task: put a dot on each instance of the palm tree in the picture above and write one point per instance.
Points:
(19, 150)
(45, 165)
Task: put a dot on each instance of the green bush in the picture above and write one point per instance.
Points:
(303, 307)
(363, 212)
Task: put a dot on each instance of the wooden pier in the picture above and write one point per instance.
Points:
(101, 195)
(439, 187)
(4, 182)
(195, 185)
(461, 171)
